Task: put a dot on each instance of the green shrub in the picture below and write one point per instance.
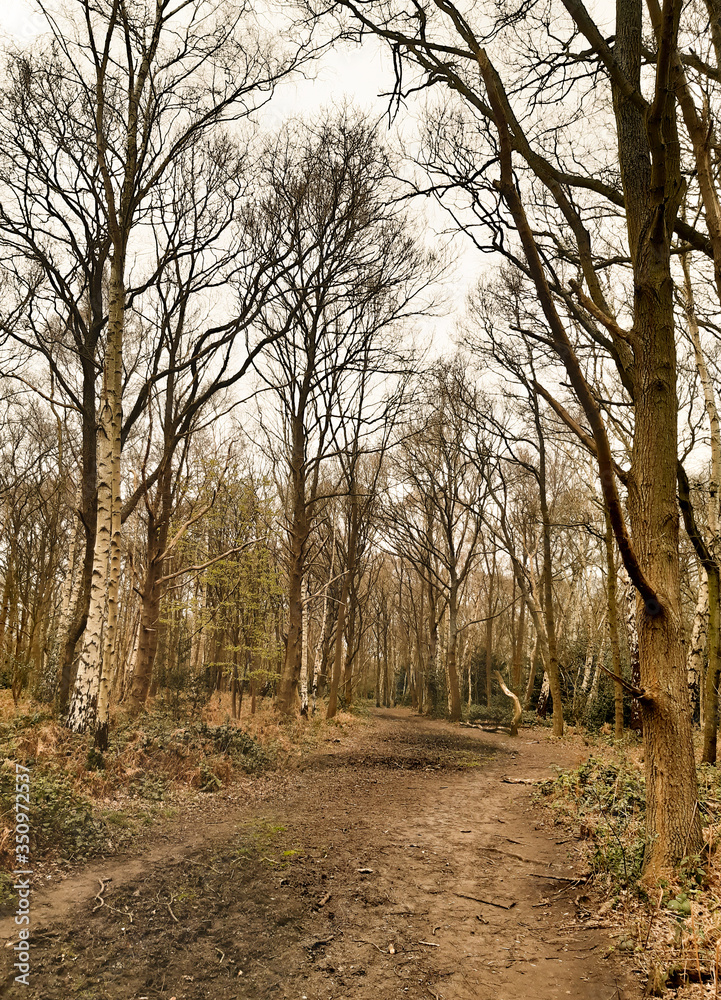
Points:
(59, 817)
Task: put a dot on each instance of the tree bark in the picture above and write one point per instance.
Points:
(287, 700)
(304, 653)
(83, 713)
(612, 601)
(454, 687)
(697, 646)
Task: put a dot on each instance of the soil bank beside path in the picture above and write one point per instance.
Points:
(399, 864)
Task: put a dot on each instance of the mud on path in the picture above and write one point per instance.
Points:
(399, 864)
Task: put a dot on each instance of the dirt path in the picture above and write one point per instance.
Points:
(397, 865)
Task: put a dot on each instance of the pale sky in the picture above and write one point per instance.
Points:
(345, 73)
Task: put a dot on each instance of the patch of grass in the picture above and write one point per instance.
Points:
(257, 838)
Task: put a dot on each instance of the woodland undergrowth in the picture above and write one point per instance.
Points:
(86, 804)
(671, 930)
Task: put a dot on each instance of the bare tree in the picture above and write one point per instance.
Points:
(351, 273)
(142, 86)
(447, 47)
(438, 516)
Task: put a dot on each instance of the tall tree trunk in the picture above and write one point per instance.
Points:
(288, 697)
(634, 664)
(350, 649)
(338, 657)
(712, 568)
(612, 601)
(710, 719)
(697, 646)
(147, 644)
(80, 599)
(320, 648)
(304, 649)
(532, 670)
(489, 658)
(553, 668)
(454, 688)
(103, 610)
(520, 643)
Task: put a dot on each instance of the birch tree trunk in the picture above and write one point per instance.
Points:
(532, 669)
(632, 635)
(712, 568)
(697, 646)
(320, 647)
(99, 635)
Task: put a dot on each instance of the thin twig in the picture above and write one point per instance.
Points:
(363, 941)
(99, 895)
(488, 902)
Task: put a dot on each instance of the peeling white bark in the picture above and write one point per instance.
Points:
(697, 645)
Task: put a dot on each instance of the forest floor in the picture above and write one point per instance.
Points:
(406, 857)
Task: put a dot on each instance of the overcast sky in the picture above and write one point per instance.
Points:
(346, 73)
